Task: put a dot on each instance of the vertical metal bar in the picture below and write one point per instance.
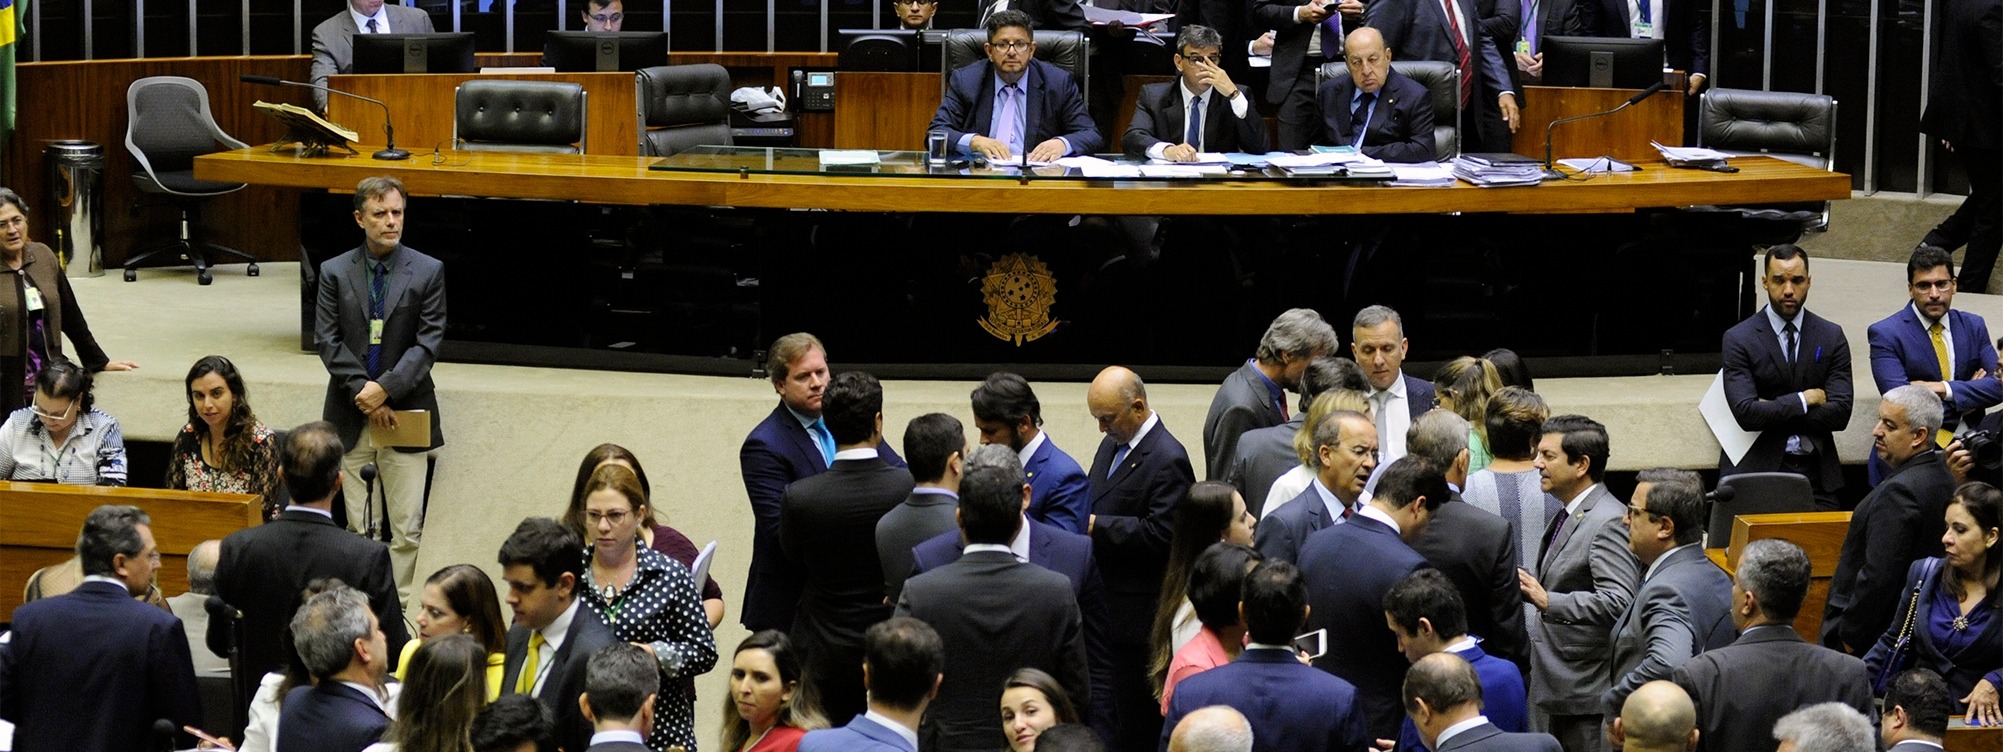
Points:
(876, 14)
(1766, 51)
(508, 23)
(562, 16)
(35, 31)
(246, 27)
(1925, 163)
(138, 28)
(1821, 46)
(1871, 108)
(771, 25)
(456, 8)
(89, 30)
(192, 15)
(298, 28)
(824, 24)
(719, 26)
(1717, 60)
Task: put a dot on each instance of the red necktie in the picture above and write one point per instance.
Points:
(1466, 62)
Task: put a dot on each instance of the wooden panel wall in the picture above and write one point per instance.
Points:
(1623, 135)
(423, 107)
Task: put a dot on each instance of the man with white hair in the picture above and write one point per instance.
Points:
(1900, 522)
(1217, 728)
(1255, 395)
(1828, 727)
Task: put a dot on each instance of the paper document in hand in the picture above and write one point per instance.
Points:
(1101, 16)
(1717, 412)
(700, 572)
(413, 429)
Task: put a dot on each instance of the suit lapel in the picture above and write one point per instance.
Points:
(802, 440)
(1140, 451)
(1032, 102)
(1036, 461)
(1572, 524)
(984, 104)
(399, 280)
(1178, 120)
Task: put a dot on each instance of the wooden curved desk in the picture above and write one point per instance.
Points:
(627, 180)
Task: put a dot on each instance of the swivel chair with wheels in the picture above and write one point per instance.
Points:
(169, 125)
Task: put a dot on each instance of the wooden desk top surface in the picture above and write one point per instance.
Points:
(627, 180)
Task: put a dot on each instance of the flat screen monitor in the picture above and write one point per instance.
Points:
(1602, 62)
(889, 50)
(604, 51)
(450, 52)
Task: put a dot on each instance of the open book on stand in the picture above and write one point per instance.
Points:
(313, 134)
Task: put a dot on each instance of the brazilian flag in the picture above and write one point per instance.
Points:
(10, 34)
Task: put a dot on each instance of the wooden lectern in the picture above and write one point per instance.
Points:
(39, 523)
(1820, 534)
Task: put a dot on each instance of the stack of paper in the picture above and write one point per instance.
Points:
(1422, 175)
(1691, 156)
(1346, 162)
(1498, 170)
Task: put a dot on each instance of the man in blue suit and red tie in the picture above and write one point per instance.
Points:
(790, 444)
(1012, 103)
(903, 663)
(1007, 412)
(1930, 344)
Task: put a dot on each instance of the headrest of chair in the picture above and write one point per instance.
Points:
(1768, 121)
(1064, 49)
(521, 112)
(673, 95)
(1436, 76)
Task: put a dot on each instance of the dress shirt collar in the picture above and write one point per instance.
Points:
(1927, 324)
(935, 491)
(1657, 564)
(858, 453)
(362, 22)
(805, 422)
(1774, 320)
(1374, 513)
(106, 578)
(1454, 730)
(1572, 507)
(993, 548)
(1750, 630)
(1020, 546)
(1461, 645)
(559, 628)
(1273, 388)
(909, 736)
(327, 513)
(375, 695)
(1288, 649)
(620, 735)
(1029, 449)
(1146, 426)
(1328, 499)
(1921, 742)
(1397, 387)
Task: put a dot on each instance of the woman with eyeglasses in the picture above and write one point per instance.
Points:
(60, 436)
(224, 447)
(646, 598)
(37, 309)
(659, 537)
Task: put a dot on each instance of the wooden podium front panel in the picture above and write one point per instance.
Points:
(1623, 135)
(422, 105)
(39, 523)
(1819, 534)
(884, 110)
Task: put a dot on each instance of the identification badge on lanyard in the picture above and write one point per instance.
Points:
(375, 331)
(1522, 46)
(1644, 30)
(34, 298)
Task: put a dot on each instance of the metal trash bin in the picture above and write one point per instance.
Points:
(76, 194)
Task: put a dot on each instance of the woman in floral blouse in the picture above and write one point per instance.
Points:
(224, 447)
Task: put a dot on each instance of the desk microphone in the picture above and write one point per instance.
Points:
(368, 473)
(1723, 495)
(1549, 170)
(389, 132)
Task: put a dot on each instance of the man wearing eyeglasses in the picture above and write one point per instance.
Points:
(1224, 119)
(604, 15)
(1930, 344)
(1684, 604)
(1012, 104)
(1383, 113)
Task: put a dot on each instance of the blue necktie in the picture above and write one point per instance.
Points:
(1195, 123)
(1119, 456)
(1359, 116)
(372, 26)
(1008, 120)
(376, 312)
(1331, 36)
(1647, 16)
(826, 440)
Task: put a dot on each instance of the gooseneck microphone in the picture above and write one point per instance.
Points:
(1652, 90)
(389, 131)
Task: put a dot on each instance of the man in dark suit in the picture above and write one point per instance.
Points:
(1138, 476)
(554, 636)
(1899, 522)
(380, 322)
(1292, 707)
(262, 570)
(334, 38)
(994, 614)
(1305, 35)
(1012, 104)
(1427, 614)
(1062, 15)
(1585, 578)
(1442, 693)
(1965, 111)
(1929, 343)
(1265, 454)
(1378, 343)
(937, 448)
(620, 683)
(789, 444)
(1787, 375)
(905, 662)
(1686, 40)
(1060, 551)
(1540, 19)
(1683, 605)
(1474, 548)
(341, 644)
(1401, 130)
(1350, 567)
(1450, 31)
(1917, 709)
(1255, 395)
(1229, 121)
(1007, 412)
(93, 668)
(1345, 444)
(1743, 688)
(827, 528)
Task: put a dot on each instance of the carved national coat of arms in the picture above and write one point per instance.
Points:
(1019, 292)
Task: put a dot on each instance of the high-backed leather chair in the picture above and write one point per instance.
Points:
(546, 117)
(1799, 128)
(168, 125)
(1069, 50)
(1756, 493)
(683, 106)
(1440, 78)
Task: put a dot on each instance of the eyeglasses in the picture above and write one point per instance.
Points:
(1012, 46)
(616, 518)
(47, 416)
(1206, 59)
(608, 18)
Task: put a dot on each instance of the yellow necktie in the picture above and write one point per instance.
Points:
(1942, 437)
(526, 683)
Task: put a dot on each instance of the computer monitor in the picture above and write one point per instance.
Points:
(450, 52)
(604, 51)
(889, 50)
(1602, 62)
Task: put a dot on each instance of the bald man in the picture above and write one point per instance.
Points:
(1442, 694)
(1137, 477)
(1217, 728)
(1381, 112)
(191, 606)
(1658, 717)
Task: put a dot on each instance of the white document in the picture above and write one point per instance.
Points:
(1179, 170)
(1717, 413)
(1597, 164)
(1101, 16)
(701, 569)
(1427, 174)
(1689, 153)
(1314, 159)
(849, 157)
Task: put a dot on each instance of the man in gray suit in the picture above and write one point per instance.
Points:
(1443, 696)
(935, 445)
(334, 38)
(1265, 454)
(1683, 606)
(1917, 708)
(381, 319)
(1743, 688)
(1475, 549)
(1585, 578)
(1346, 444)
(1255, 395)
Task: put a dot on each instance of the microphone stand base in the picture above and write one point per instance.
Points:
(392, 154)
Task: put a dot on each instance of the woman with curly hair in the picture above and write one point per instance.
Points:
(224, 447)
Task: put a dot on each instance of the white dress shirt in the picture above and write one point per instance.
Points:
(1394, 414)
(1238, 109)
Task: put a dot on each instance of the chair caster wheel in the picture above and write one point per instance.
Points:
(204, 278)
(131, 275)
(252, 271)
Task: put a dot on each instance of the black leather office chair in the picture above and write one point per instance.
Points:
(1440, 78)
(1799, 128)
(544, 117)
(683, 106)
(1756, 493)
(1070, 50)
(168, 125)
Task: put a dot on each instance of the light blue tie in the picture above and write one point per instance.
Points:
(826, 440)
(1008, 119)
(1119, 456)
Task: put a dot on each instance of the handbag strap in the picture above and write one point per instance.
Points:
(1913, 605)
